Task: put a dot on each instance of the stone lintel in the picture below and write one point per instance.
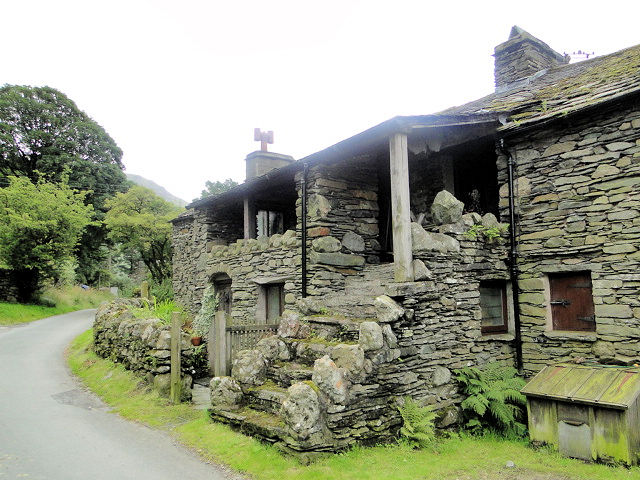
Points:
(273, 279)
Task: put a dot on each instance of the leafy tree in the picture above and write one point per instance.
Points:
(40, 224)
(139, 221)
(217, 187)
(44, 134)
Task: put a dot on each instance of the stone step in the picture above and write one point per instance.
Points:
(288, 373)
(266, 426)
(335, 328)
(267, 398)
(308, 351)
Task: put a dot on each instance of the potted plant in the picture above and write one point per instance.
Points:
(202, 322)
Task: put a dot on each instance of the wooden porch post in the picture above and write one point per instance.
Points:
(400, 208)
(176, 340)
(249, 218)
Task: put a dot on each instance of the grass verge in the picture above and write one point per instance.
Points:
(66, 299)
(463, 458)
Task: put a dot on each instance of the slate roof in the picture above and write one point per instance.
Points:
(561, 90)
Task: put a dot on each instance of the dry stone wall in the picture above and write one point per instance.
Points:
(579, 210)
(143, 346)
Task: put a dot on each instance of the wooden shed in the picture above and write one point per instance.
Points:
(591, 412)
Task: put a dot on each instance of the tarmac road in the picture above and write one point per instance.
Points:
(52, 428)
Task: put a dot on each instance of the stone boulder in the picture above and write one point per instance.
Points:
(446, 208)
(326, 244)
(330, 379)
(349, 358)
(301, 411)
(162, 383)
(225, 392)
(318, 206)
(370, 337)
(387, 309)
(441, 376)
(353, 242)
(420, 270)
(489, 220)
(424, 241)
(273, 348)
(289, 324)
(249, 368)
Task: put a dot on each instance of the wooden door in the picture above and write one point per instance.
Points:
(572, 302)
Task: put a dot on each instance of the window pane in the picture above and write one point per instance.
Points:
(493, 308)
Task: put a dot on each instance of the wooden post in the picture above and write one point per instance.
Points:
(144, 290)
(400, 208)
(220, 332)
(176, 338)
(249, 219)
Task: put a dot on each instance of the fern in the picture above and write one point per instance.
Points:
(493, 400)
(418, 423)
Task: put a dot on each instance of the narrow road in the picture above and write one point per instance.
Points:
(51, 428)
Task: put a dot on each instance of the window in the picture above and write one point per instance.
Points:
(571, 302)
(270, 222)
(493, 304)
(271, 302)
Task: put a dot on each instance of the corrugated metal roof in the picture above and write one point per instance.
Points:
(597, 385)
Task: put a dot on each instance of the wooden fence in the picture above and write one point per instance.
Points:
(230, 339)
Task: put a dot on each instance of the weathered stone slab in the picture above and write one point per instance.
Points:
(446, 208)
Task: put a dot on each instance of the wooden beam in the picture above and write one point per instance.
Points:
(400, 208)
(176, 380)
(220, 333)
(249, 219)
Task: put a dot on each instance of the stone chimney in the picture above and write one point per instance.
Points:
(261, 162)
(522, 56)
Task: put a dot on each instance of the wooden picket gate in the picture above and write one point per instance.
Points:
(230, 339)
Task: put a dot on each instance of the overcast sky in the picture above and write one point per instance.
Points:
(180, 85)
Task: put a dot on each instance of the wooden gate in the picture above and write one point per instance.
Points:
(230, 339)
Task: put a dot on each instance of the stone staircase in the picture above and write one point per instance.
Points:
(292, 390)
(312, 388)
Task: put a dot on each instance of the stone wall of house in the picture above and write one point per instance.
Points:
(189, 259)
(579, 210)
(143, 346)
(255, 262)
(194, 234)
(441, 328)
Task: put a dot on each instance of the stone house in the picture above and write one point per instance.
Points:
(384, 257)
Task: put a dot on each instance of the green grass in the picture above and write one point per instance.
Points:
(66, 299)
(463, 458)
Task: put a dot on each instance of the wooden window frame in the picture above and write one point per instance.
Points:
(496, 329)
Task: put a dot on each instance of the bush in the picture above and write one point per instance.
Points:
(163, 310)
(417, 423)
(162, 292)
(493, 400)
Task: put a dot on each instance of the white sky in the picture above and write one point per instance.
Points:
(180, 85)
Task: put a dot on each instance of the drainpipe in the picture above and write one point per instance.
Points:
(305, 171)
(513, 255)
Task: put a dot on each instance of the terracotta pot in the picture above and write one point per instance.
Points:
(195, 341)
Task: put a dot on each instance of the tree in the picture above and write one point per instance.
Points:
(217, 187)
(43, 134)
(40, 225)
(139, 220)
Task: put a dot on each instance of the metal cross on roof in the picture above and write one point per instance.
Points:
(263, 137)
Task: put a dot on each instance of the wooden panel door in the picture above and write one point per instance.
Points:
(572, 302)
